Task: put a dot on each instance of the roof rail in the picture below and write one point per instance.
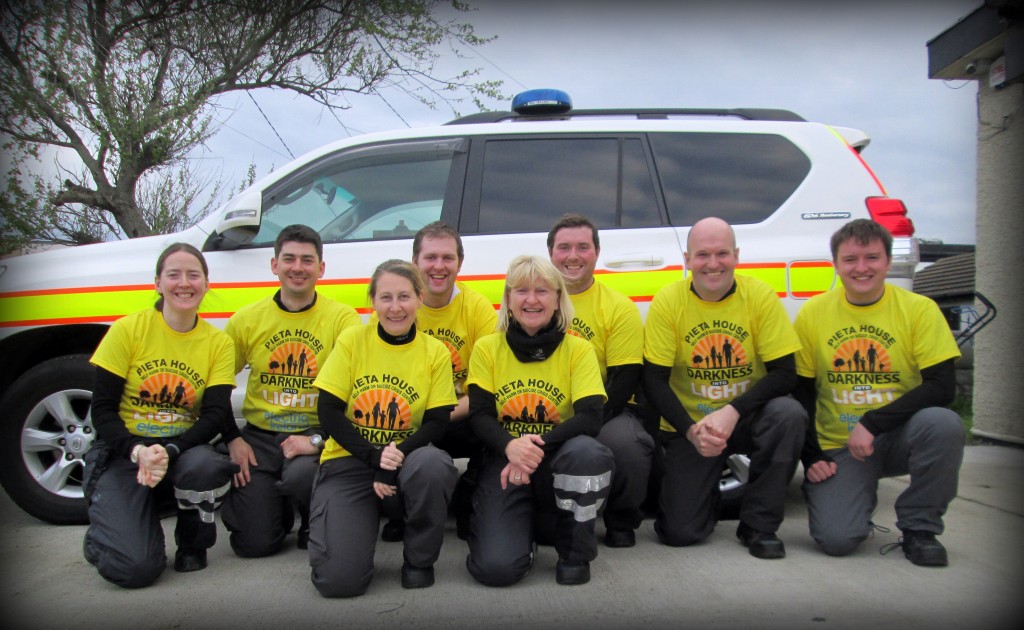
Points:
(745, 113)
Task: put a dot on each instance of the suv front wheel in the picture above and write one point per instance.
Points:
(45, 431)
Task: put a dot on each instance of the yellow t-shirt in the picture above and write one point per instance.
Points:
(387, 388)
(717, 350)
(535, 397)
(284, 351)
(459, 324)
(864, 357)
(611, 323)
(165, 371)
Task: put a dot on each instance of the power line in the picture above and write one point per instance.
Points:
(393, 110)
(501, 70)
(270, 123)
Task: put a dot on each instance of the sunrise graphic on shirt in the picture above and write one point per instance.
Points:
(530, 408)
(861, 355)
(381, 409)
(293, 358)
(718, 350)
(166, 389)
(456, 358)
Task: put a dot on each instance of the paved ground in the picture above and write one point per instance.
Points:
(45, 583)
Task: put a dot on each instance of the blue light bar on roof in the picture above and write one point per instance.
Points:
(541, 101)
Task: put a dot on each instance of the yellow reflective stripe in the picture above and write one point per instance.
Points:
(772, 273)
(810, 277)
(105, 304)
(490, 287)
(223, 300)
(72, 306)
(351, 293)
(640, 286)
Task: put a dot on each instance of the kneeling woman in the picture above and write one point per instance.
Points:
(536, 400)
(162, 392)
(386, 393)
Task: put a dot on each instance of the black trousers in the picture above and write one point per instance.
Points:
(125, 541)
(559, 506)
(772, 437)
(259, 514)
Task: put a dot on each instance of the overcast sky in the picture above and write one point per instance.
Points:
(852, 64)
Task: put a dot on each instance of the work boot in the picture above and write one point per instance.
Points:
(922, 549)
(620, 538)
(188, 561)
(416, 578)
(572, 573)
(765, 546)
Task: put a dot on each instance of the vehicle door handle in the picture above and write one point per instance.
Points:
(643, 260)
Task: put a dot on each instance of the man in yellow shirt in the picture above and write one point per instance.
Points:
(285, 339)
(875, 374)
(718, 366)
(611, 323)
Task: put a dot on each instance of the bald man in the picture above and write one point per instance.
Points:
(719, 364)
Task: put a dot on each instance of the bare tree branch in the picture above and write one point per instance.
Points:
(127, 86)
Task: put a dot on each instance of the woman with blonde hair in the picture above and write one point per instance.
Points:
(536, 400)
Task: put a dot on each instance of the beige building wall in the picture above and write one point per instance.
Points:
(998, 350)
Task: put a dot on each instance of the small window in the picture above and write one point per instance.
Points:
(372, 193)
(528, 183)
(740, 177)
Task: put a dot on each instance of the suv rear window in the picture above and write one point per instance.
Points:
(740, 177)
(529, 182)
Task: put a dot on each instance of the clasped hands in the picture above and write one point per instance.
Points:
(524, 454)
(711, 435)
(153, 462)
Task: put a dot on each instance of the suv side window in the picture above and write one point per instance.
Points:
(528, 182)
(740, 177)
(380, 192)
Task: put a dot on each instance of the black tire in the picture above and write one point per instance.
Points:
(45, 430)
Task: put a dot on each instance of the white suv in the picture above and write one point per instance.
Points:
(502, 179)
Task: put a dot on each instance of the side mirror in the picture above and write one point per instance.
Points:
(239, 222)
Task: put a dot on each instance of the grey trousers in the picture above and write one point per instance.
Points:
(258, 515)
(559, 506)
(345, 517)
(773, 438)
(632, 446)
(125, 541)
(929, 447)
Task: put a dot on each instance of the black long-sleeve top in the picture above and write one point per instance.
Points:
(778, 381)
(620, 384)
(937, 389)
(214, 414)
(586, 420)
(331, 411)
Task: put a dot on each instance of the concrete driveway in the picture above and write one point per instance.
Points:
(45, 582)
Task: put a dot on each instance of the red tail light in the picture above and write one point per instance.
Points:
(892, 214)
